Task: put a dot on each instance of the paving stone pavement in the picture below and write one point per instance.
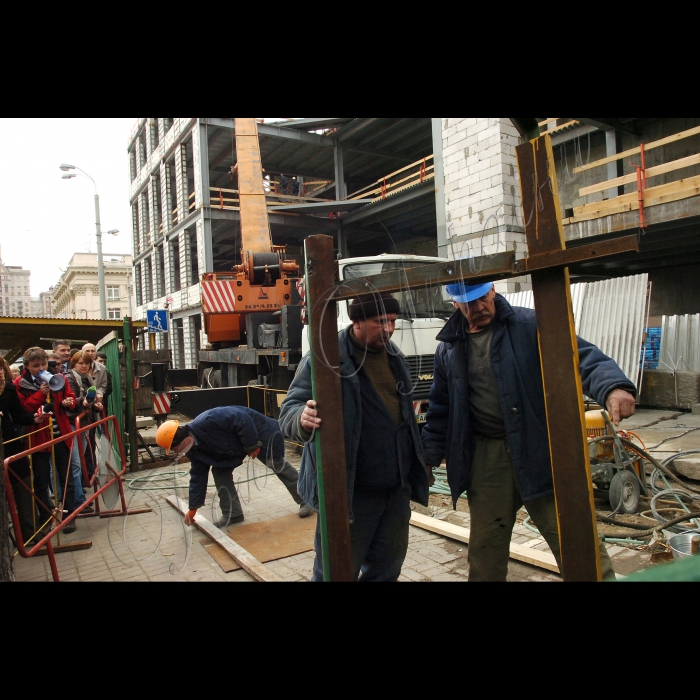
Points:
(156, 546)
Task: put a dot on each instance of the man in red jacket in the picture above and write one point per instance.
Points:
(34, 393)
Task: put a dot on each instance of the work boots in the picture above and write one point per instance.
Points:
(226, 520)
(305, 510)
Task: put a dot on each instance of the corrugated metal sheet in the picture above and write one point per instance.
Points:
(680, 343)
(610, 314)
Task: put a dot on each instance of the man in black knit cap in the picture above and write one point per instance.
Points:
(383, 454)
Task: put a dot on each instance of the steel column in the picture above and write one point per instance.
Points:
(439, 183)
(340, 191)
(130, 418)
(321, 278)
(560, 366)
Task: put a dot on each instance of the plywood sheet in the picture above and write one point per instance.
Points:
(268, 540)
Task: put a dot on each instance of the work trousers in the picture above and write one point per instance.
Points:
(494, 500)
(378, 535)
(228, 496)
(25, 508)
(41, 466)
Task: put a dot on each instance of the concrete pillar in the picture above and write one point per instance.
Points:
(180, 166)
(175, 342)
(154, 215)
(205, 255)
(185, 259)
(483, 213)
(157, 274)
(146, 289)
(135, 228)
(150, 136)
(161, 129)
(140, 155)
(200, 159)
(189, 342)
(168, 268)
(166, 197)
(144, 221)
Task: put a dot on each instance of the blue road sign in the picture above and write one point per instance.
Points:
(157, 321)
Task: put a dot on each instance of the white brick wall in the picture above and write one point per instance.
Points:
(482, 192)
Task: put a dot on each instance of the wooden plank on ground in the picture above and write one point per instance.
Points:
(647, 147)
(545, 560)
(268, 540)
(247, 561)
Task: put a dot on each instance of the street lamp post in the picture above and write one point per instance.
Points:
(100, 266)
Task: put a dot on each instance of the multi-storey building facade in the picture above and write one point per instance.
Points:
(429, 186)
(15, 296)
(185, 210)
(77, 295)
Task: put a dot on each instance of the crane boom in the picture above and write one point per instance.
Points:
(255, 227)
(264, 281)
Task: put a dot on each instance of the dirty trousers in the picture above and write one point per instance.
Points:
(378, 535)
(494, 500)
(228, 497)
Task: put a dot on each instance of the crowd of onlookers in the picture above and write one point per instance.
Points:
(37, 407)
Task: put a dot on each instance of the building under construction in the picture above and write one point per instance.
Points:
(431, 186)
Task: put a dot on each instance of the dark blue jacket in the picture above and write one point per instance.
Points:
(225, 436)
(515, 359)
(410, 452)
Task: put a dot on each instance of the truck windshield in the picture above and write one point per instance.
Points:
(426, 302)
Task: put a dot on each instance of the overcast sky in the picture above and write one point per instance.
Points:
(47, 219)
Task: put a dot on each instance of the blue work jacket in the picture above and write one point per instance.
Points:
(515, 359)
(225, 435)
(410, 455)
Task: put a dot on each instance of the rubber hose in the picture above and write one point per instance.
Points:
(670, 492)
(658, 528)
(612, 521)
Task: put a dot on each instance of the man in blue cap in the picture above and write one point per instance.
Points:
(487, 418)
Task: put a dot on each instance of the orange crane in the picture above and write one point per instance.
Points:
(264, 281)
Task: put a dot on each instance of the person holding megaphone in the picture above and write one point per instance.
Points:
(48, 394)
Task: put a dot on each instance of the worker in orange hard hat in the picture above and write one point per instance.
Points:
(222, 438)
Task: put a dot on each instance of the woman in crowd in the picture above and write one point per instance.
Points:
(11, 415)
(80, 381)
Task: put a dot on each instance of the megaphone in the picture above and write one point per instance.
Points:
(56, 382)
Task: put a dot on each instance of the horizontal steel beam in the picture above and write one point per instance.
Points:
(390, 202)
(490, 268)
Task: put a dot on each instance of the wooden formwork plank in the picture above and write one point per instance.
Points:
(247, 561)
(519, 552)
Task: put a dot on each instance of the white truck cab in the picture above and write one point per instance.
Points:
(423, 314)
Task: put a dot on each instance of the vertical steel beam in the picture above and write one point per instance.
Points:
(439, 180)
(611, 150)
(560, 366)
(130, 419)
(340, 191)
(327, 392)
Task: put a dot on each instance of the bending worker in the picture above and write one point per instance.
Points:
(221, 438)
(487, 419)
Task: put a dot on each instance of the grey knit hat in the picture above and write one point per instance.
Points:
(371, 305)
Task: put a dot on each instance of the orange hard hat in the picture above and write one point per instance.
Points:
(166, 433)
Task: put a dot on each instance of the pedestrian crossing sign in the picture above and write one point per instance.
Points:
(157, 321)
